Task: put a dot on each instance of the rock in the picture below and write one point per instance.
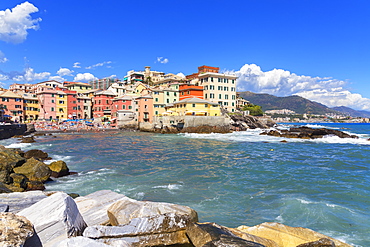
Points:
(37, 154)
(212, 234)
(59, 169)
(8, 160)
(323, 242)
(115, 234)
(241, 123)
(93, 207)
(4, 208)
(35, 185)
(81, 242)
(4, 189)
(34, 170)
(14, 230)
(21, 200)
(55, 218)
(264, 241)
(287, 236)
(14, 188)
(126, 209)
(19, 180)
(307, 133)
(28, 139)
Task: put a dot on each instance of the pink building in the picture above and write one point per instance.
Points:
(13, 105)
(145, 108)
(47, 101)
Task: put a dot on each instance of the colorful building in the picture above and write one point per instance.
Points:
(189, 91)
(103, 104)
(12, 104)
(47, 97)
(30, 107)
(145, 108)
(194, 106)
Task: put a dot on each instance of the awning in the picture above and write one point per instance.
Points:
(7, 116)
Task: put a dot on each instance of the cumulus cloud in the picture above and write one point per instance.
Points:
(76, 65)
(162, 60)
(99, 65)
(57, 78)
(181, 75)
(64, 72)
(84, 77)
(15, 23)
(3, 59)
(29, 75)
(278, 82)
(3, 77)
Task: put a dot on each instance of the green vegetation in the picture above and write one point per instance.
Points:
(254, 110)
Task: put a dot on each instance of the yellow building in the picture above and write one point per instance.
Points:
(61, 106)
(31, 107)
(193, 106)
(79, 87)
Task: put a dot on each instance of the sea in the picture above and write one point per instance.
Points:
(240, 178)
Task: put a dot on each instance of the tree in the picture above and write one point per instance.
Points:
(254, 110)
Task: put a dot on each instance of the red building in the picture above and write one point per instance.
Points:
(103, 104)
(189, 91)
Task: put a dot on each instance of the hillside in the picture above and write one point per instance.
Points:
(350, 112)
(295, 103)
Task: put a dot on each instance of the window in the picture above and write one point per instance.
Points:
(226, 89)
(206, 105)
(18, 106)
(193, 105)
(52, 109)
(226, 96)
(233, 97)
(52, 95)
(156, 99)
(220, 96)
(205, 96)
(168, 101)
(52, 101)
(130, 107)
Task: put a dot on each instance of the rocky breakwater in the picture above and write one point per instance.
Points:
(23, 171)
(307, 133)
(106, 218)
(240, 123)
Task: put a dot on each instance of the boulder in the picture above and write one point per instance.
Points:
(28, 139)
(21, 200)
(55, 218)
(8, 160)
(35, 185)
(37, 154)
(14, 230)
(307, 133)
(264, 241)
(81, 242)
(14, 188)
(93, 207)
(34, 170)
(323, 242)
(287, 236)
(212, 234)
(126, 209)
(115, 234)
(4, 189)
(19, 180)
(58, 169)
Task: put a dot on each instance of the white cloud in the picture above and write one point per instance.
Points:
(278, 82)
(99, 65)
(14, 23)
(84, 77)
(181, 75)
(57, 78)
(76, 65)
(3, 59)
(4, 77)
(29, 76)
(162, 60)
(64, 72)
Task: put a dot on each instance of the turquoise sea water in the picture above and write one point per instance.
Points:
(241, 178)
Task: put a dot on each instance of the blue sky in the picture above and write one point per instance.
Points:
(318, 49)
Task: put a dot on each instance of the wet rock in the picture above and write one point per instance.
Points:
(287, 236)
(93, 207)
(37, 154)
(323, 242)
(58, 169)
(14, 230)
(55, 218)
(240, 122)
(34, 170)
(307, 133)
(212, 234)
(14, 188)
(28, 139)
(35, 185)
(9, 160)
(21, 200)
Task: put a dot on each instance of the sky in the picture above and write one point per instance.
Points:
(318, 49)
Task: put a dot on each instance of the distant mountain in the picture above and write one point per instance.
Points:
(295, 103)
(350, 112)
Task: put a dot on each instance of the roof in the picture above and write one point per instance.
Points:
(10, 94)
(106, 92)
(194, 100)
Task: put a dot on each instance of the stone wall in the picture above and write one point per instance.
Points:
(7, 131)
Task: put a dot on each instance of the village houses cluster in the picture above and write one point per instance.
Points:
(140, 96)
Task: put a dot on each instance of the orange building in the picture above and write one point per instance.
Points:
(189, 91)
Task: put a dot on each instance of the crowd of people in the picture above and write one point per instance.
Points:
(71, 125)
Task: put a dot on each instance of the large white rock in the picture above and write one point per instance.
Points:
(93, 207)
(55, 218)
(80, 242)
(127, 209)
(21, 200)
(14, 230)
